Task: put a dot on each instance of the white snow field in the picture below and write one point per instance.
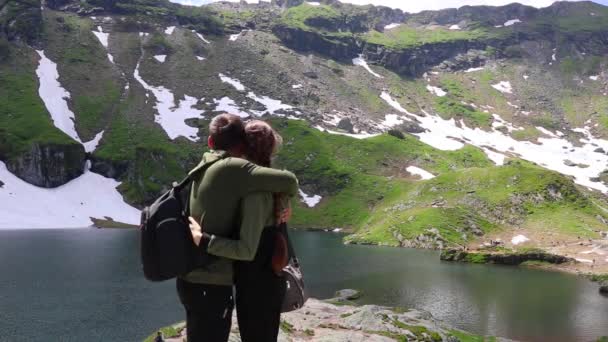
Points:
(170, 30)
(69, 206)
(519, 239)
(512, 22)
(550, 152)
(227, 105)
(55, 96)
(454, 27)
(391, 26)
(361, 135)
(360, 61)
(91, 146)
(103, 39)
(311, 201)
(272, 105)
(102, 36)
(201, 37)
(503, 87)
(234, 37)
(474, 69)
(423, 174)
(171, 115)
(390, 120)
(233, 82)
(436, 91)
(161, 58)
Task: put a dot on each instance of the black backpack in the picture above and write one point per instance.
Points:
(167, 248)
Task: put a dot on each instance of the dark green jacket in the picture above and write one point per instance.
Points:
(257, 212)
(216, 199)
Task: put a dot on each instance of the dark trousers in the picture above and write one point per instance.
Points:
(208, 311)
(259, 297)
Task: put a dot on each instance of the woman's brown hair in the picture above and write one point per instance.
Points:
(261, 142)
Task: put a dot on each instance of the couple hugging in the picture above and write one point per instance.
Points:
(235, 203)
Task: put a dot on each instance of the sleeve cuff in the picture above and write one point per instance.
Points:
(205, 241)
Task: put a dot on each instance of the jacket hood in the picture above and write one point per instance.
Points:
(208, 158)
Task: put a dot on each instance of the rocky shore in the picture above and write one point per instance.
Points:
(340, 320)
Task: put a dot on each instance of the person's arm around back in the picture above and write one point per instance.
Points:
(254, 178)
(254, 214)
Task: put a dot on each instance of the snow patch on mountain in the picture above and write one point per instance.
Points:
(201, 37)
(55, 96)
(169, 116)
(360, 135)
(519, 239)
(200, 58)
(474, 69)
(233, 82)
(391, 26)
(511, 22)
(550, 153)
(272, 105)
(310, 201)
(67, 206)
(436, 91)
(360, 61)
(227, 105)
(455, 27)
(103, 38)
(91, 146)
(503, 87)
(160, 58)
(234, 37)
(169, 30)
(423, 174)
(392, 120)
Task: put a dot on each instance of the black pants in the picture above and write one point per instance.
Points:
(258, 306)
(259, 293)
(208, 311)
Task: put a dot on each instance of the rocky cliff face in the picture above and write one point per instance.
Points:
(341, 49)
(48, 166)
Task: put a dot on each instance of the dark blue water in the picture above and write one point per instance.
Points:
(86, 285)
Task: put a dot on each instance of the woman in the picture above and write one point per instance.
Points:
(259, 287)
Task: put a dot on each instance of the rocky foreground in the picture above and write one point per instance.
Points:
(339, 320)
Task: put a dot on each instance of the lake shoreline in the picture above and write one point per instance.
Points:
(571, 266)
(342, 319)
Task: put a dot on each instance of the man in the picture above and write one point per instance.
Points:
(221, 181)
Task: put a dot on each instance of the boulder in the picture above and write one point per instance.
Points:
(346, 125)
(347, 294)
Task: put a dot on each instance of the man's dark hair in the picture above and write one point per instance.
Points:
(227, 131)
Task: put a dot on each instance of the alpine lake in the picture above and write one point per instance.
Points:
(87, 285)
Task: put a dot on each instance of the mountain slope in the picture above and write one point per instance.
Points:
(506, 107)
